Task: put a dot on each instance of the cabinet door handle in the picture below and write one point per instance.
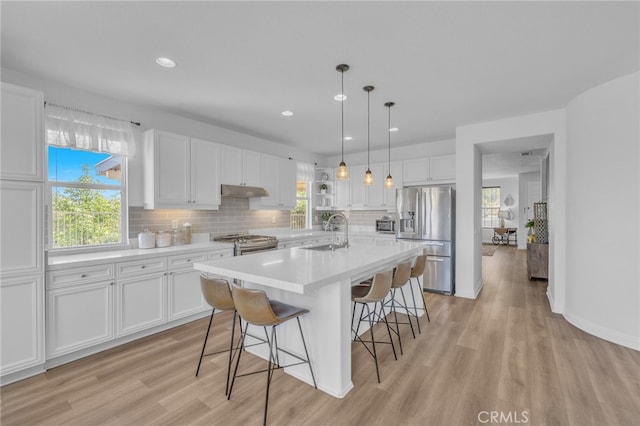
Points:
(188, 260)
(111, 283)
(143, 266)
(83, 276)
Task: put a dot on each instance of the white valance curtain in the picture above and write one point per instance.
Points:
(73, 128)
(305, 171)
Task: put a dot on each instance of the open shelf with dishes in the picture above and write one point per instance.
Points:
(323, 189)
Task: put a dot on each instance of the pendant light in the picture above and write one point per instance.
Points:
(343, 172)
(368, 176)
(388, 183)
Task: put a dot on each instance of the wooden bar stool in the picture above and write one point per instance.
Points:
(255, 308)
(373, 294)
(217, 293)
(400, 279)
(416, 272)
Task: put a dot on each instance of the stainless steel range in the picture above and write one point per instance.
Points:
(247, 243)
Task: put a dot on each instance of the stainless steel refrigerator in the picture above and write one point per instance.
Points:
(427, 214)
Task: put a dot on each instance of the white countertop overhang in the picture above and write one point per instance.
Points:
(301, 270)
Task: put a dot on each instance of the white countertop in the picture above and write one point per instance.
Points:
(301, 270)
(65, 261)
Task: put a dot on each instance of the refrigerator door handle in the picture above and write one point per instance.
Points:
(435, 259)
(418, 217)
(431, 243)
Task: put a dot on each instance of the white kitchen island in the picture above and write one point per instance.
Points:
(321, 282)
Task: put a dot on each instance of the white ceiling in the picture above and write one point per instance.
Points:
(241, 63)
(510, 157)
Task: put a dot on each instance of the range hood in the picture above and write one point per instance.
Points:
(242, 191)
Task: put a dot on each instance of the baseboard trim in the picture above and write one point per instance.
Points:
(552, 304)
(468, 294)
(22, 374)
(605, 333)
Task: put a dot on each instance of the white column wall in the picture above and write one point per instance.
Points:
(469, 182)
(603, 211)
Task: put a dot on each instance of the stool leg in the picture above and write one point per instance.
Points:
(269, 371)
(233, 331)
(206, 336)
(304, 344)
(235, 370)
(373, 341)
(404, 300)
(359, 321)
(424, 302)
(384, 317)
(395, 316)
(415, 308)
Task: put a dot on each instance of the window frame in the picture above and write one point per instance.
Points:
(308, 210)
(124, 207)
(494, 219)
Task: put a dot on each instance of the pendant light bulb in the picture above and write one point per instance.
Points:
(388, 183)
(368, 176)
(342, 173)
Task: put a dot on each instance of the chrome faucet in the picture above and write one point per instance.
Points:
(338, 243)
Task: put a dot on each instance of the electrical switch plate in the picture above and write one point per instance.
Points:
(174, 224)
(273, 219)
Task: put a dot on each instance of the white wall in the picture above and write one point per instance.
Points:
(603, 211)
(154, 119)
(508, 185)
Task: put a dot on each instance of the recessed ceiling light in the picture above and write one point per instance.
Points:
(348, 138)
(287, 113)
(340, 97)
(165, 62)
(393, 129)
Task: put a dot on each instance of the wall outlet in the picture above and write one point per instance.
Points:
(174, 224)
(273, 219)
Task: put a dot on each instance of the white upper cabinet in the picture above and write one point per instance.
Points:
(415, 171)
(420, 171)
(357, 191)
(443, 167)
(22, 249)
(389, 195)
(21, 151)
(205, 173)
(278, 177)
(180, 172)
(375, 192)
(239, 166)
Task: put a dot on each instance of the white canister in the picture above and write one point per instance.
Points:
(146, 239)
(163, 239)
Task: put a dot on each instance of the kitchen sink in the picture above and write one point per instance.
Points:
(324, 247)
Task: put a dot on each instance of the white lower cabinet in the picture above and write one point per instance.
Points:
(92, 305)
(79, 316)
(140, 303)
(21, 323)
(185, 294)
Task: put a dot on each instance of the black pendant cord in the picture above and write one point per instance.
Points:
(368, 125)
(342, 111)
(389, 133)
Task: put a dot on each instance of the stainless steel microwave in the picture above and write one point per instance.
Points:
(387, 226)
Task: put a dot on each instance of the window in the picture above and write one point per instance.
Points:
(490, 207)
(300, 217)
(300, 214)
(86, 190)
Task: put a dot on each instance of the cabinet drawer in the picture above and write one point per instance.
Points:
(79, 275)
(138, 267)
(219, 254)
(186, 260)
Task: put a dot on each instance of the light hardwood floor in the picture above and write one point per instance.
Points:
(504, 352)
